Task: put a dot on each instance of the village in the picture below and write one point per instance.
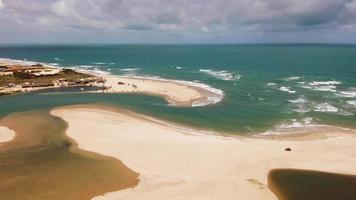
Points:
(19, 77)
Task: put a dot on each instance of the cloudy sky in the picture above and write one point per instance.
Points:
(177, 21)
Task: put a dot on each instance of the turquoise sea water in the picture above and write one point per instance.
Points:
(266, 87)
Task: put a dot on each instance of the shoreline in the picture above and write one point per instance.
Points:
(177, 163)
(175, 92)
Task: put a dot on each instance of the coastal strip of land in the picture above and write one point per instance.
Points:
(21, 76)
(177, 93)
(179, 163)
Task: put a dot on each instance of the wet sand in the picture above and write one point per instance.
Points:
(41, 162)
(295, 184)
(176, 162)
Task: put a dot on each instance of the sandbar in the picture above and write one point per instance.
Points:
(176, 162)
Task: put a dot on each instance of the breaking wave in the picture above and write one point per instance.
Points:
(104, 63)
(222, 75)
(325, 86)
(287, 89)
(293, 78)
(292, 126)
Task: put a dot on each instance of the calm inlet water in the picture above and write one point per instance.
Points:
(266, 87)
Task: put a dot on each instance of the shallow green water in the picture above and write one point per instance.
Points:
(266, 86)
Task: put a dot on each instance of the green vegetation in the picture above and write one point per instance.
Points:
(43, 163)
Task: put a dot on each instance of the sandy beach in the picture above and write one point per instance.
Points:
(176, 93)
(6, 134)
(179, 163)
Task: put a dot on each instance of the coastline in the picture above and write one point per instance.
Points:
(180, 163)
(175, 92)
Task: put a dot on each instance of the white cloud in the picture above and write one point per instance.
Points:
(219, 18)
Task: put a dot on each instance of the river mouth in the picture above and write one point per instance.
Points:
(43, 163)
(296, 184)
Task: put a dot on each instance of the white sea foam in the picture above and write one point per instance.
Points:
(129, 69)
(222, 75)
(292, 126)
(300, 100)
(179, 67)
(271, 84)
(348, 94)
(325, 86)
(57, 59)
(90, 70)
(353, 103)
(315, 83)
(104, 63)
(287, 89)
(325, 107)
(293, 78)
(300, 105)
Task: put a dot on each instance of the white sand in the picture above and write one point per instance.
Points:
(175, 163)
(6, 134)
(174, 93)
(178, 93)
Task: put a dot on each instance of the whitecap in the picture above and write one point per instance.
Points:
(271, 84)
(353, 103)
(325, 107)
(300, 105)
(89, 70)
(293, 78)
(222, 75)
(104, 63)
(292, 126)
(324, 86)
(54, 64)
(348, 94)
(129, 69)
(325, 83)
(287, 89)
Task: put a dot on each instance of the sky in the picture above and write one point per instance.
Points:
(177, 21)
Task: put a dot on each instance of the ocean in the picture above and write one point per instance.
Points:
(267, 88)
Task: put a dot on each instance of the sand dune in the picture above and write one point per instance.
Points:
(179, 163)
